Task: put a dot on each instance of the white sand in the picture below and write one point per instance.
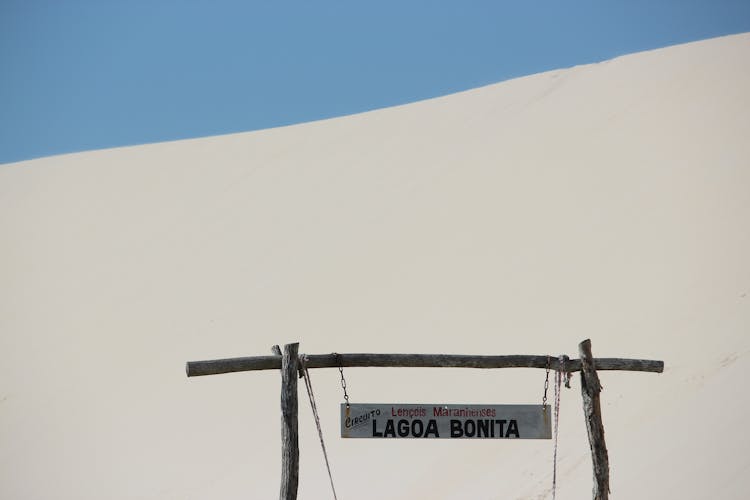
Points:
(608, 201)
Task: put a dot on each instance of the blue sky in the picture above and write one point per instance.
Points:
(88, 74)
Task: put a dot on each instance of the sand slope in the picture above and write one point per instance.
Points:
(608, 201)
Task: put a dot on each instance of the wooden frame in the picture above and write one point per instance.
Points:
(288, 363)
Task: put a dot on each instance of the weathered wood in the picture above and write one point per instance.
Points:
(289, 431)
(288, 363)
(217, 366)
(590, 389)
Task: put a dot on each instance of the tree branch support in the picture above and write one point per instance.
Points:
(289, 430)
(590, 389)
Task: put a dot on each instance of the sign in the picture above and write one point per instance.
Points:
(443, 421)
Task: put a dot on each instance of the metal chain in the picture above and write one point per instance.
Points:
(314, 406)
(343, 380)
(559, 373)
(546, 386)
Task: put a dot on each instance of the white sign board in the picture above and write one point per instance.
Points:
(446, 421)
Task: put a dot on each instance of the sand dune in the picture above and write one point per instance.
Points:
(608, 201)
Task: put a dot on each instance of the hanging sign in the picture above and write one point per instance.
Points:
(446, 421)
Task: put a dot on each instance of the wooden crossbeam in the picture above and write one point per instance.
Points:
(251, 363)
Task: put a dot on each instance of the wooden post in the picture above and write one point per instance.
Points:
(289, 432)
(590, 389)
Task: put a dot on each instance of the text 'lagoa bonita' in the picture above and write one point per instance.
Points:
(446, 421)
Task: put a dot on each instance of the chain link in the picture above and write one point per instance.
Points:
(314, 406)
(559, 374)
(343, 380)
(546, 386)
